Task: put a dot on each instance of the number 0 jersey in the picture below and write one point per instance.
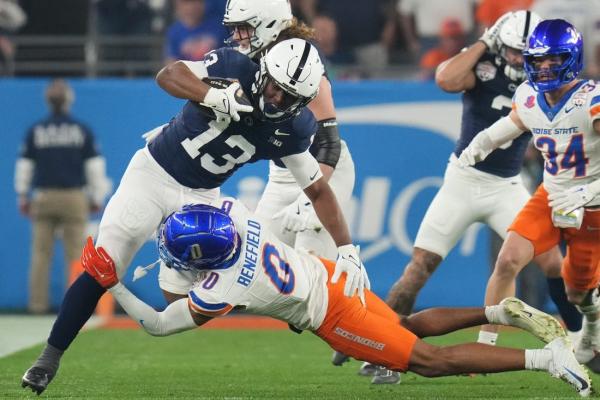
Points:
(564, 134)
(269, 278)
(483, 105)
(200, 152)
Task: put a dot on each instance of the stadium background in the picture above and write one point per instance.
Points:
(400, 135)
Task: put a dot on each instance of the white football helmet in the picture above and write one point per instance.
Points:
(294, 66)
(514, 34)
(267, 17)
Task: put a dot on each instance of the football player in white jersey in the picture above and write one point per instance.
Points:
(563, 114)
(256, 26)
(223, 258)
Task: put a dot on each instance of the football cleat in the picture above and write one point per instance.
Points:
(339, 358)
(564, 366)
(384, 376)
(37, 379)
(367, 369)
(588, 347)
(543, 326)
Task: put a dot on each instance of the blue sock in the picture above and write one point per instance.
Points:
(567, 311)
(77, 307)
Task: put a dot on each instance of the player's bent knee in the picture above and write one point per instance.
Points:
(508, 266)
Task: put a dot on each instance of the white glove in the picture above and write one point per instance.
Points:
(299, 216)
(471, 155)
(491, 35)
(227, 101)
(356, 274)
(569, 200)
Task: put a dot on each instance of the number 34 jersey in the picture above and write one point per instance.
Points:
(201, 153)
(269, 278)
(564, 133)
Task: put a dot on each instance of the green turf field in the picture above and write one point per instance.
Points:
(222, 364)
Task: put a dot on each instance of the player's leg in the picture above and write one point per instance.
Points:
(74, 216)
(131, 215)
(530, 234)
(581, 272)
(448, 216)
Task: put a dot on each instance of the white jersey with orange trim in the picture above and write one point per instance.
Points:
(269, 278)
(564, 133)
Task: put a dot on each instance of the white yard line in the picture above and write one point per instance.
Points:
(18, 332)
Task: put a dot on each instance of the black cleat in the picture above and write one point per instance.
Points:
(37, 379)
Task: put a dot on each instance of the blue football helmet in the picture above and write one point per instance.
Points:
(200, 237)
(554, 37)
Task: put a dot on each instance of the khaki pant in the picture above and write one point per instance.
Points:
(53, 211)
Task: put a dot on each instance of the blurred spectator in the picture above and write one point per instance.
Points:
(326, 37)
(420, 21)
(58, 159)
(451, 40)
(12, 18)
(304, 10)
(119, 17)
(364, 30)
(193, 34)
(489, 11)
(585, 16)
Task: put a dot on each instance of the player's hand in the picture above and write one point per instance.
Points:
(99, 265)
(471, 155)
(356, 274)
(298, 216)
(491, 35)
(571, 199)
(230, 101)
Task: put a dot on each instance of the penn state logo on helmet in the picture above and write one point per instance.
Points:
(559, 41)
(199, 237)
(295, 67)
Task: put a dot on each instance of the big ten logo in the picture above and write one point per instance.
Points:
(382, 222)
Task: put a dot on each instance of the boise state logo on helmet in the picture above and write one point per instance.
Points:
(553, 37)
(198, 237)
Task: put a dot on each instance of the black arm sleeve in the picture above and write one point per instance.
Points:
(326, 146)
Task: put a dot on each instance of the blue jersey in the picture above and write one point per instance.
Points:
(59, 145)
(200, 152)
(483, 105)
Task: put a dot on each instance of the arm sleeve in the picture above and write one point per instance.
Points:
(175, 318)
(24, 168)
(326, 146)
(207, 308)
(304, 167)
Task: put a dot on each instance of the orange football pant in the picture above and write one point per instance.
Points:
(581, 266)
(372, 333)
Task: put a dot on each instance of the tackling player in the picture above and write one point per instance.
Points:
(225, 258)
(187, 160)
(563, 114)
(255, 27)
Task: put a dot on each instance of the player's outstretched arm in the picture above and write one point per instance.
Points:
(177, 317)
(500, 132)
(456, 74)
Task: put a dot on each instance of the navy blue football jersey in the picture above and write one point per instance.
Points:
(199, 152)
(483, 105)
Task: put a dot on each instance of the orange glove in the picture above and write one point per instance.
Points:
(99, 265)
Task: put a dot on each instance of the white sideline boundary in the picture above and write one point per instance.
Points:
(18, 332)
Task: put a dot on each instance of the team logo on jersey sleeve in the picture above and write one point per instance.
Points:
(530, 102)
(485, 71)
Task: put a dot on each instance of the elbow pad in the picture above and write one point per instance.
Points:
(326, 146)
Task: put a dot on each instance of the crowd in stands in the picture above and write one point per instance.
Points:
(370, 35)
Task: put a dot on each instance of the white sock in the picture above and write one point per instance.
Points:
(538, 359)
(486, 337)
(495, 315)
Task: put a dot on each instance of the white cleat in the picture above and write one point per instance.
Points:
(384, 376)
(543, 326)
(338, 359)
(564, 366)
(367, 369)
